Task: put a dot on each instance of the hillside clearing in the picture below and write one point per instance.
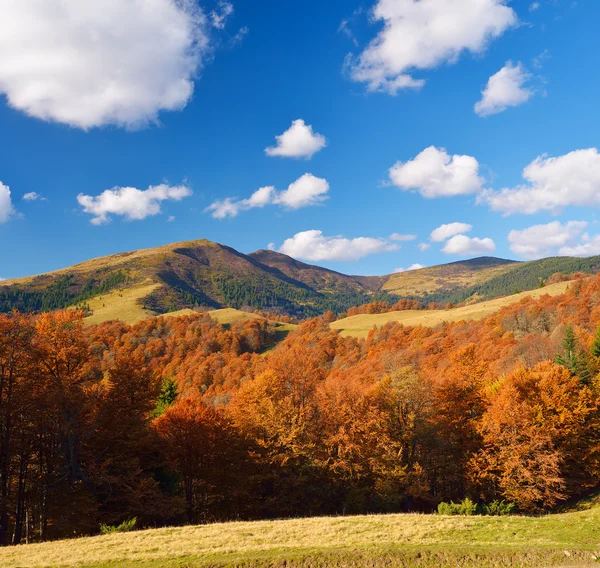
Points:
(360, 325)
(445, 276)
(123, 305)
(569, 539)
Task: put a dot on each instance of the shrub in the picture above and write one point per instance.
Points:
(465, 507)
(498, 508)
(125, 526)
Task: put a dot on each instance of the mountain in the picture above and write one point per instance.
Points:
(205, 275)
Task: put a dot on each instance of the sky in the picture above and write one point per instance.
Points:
(365, 136)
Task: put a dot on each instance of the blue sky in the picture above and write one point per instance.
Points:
(185, 100)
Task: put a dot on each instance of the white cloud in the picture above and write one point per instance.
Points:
(415, 266)
(129, 202)
(424, 246)
(464, 246)
(590, 246)
(551, 185)
(32, 196)
(227, 207)
(423, 34)
(504, 89)
(170, 219)
(542, 240)
(534, 6)
(444, 232)
(298, 141)
(305, 191)
(6, 207)
(219, 17)
(314, 246)
(89, 64)
(434, 173)
(400, 237)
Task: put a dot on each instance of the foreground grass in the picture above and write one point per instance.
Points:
(359, 326)
(568, 539)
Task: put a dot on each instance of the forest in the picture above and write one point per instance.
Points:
(181, 420)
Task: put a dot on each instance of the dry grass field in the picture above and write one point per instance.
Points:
(567, 539)
(436, 278)
(121, 305)
(359, 326)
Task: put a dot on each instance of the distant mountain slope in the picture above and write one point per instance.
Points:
(205, 275)
(192, 274)
(464, 273)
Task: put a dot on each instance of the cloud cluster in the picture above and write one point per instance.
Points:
(129, 202)
(444, 232)
(552, 184)
(314, 246)
(415, 266)
(89, 64)
(423, 34)
(298, 141)
(32, 196)
(305, 191)
(506, 88)
(553, 238)
(456, 242)
(434, 173)
(6, 207)
(468, 246)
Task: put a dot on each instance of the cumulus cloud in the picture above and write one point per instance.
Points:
(305, 191)
(90, 64)
(465, 246)
(589, 246)
(298, 141)
(434, 173)
(32, 196)
(314, 246)
(423, 34)
(551, 185)
(6, 207)
(506, 88)
(415, 266)
(400, 237)
(444, 232)
(129, 202)
(424, 246)
(543, 240)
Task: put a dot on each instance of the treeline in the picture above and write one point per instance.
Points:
(177, 420)
(525, 276)
(67, 290)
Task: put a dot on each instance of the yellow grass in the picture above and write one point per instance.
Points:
(435, 278)
(359, 326)
(278, 543)
(121, 305)
(116, 260)
(231, 316)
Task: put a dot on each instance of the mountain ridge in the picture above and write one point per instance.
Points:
(204, 275)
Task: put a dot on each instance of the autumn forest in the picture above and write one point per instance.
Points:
(183, 420)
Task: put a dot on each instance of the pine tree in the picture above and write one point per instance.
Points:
(166, 398)
(572, 358)
(595, 350)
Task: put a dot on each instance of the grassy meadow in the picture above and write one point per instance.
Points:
(360, 325)
(567, 539)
